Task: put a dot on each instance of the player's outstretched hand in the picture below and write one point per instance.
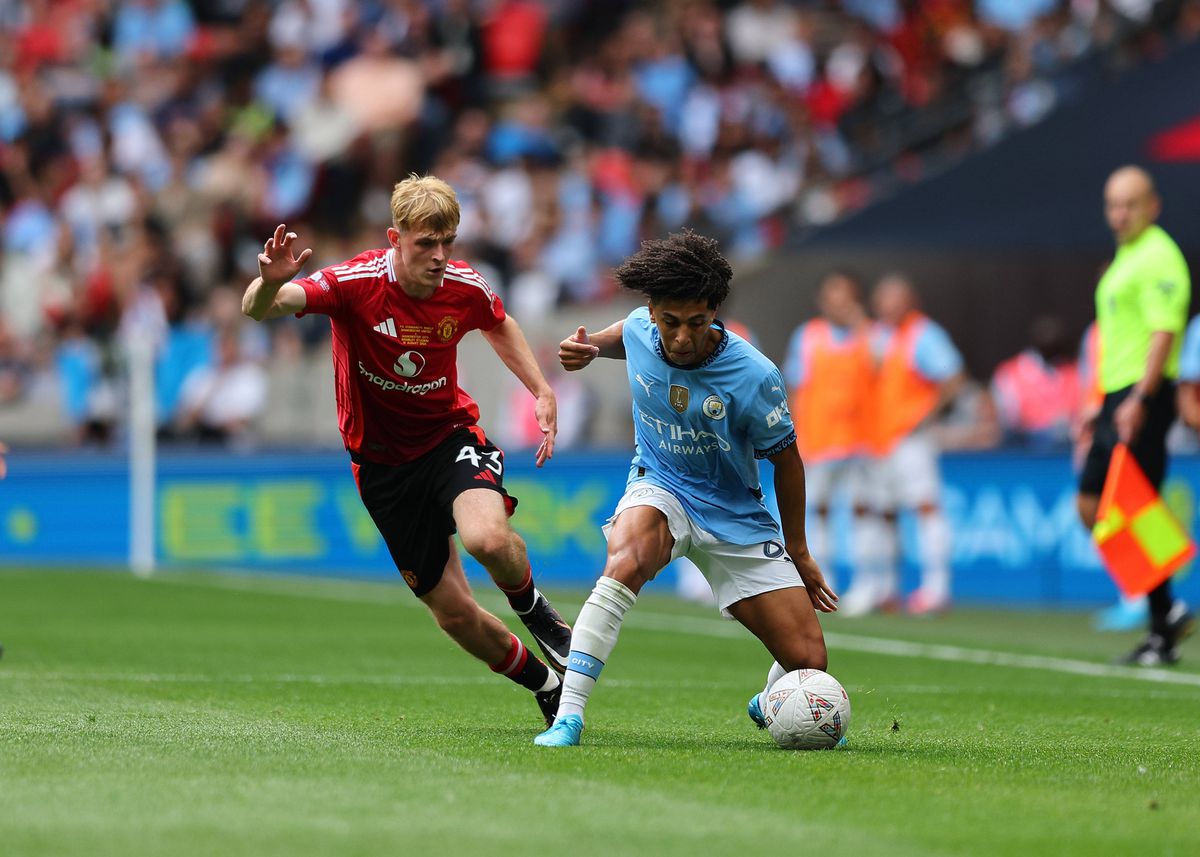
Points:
(577, 351)
(276, 263)
(546, 411)
(823, 598)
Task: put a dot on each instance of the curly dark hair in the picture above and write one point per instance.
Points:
(683, 266)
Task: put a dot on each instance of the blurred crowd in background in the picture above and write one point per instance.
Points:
(148, 147)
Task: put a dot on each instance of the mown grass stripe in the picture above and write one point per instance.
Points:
(357, 591)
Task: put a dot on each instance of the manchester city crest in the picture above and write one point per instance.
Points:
(713, 408)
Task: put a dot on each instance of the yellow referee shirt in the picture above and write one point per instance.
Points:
(1145, 290)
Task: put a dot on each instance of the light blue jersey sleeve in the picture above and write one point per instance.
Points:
(769, 428)
(1189, 358)
(935, 355)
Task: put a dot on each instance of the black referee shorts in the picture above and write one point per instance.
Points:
(412, 504)
(1149, 449)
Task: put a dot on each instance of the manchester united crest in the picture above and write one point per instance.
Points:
(447, 327)
(678, 397)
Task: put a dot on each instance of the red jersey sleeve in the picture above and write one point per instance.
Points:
(487, 309)
(491, 313)
(323, 294)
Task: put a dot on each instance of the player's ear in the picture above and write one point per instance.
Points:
(393, 235)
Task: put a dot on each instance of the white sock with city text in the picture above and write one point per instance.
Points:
(592, 641)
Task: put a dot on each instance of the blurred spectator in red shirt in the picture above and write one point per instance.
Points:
(512, 42)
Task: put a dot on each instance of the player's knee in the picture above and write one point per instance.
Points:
(489, 545)
(630, 569)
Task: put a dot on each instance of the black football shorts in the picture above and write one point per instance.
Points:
(412, 504)
(1149, 449)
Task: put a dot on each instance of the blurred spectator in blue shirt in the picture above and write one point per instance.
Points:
(159, 28)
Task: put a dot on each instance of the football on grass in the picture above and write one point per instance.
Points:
(807, 710)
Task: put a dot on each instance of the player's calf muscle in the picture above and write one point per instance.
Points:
(475, 630)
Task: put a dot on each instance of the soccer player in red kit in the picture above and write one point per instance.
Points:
(423, 465)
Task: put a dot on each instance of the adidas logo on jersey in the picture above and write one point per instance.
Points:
(387, 328)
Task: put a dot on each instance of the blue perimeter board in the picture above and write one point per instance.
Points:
(1016, 537)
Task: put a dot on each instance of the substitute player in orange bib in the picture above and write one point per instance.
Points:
(830, 374)
(424, 467)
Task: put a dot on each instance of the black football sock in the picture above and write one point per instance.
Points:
(1160, 601)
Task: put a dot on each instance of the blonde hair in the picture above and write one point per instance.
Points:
(424, 201)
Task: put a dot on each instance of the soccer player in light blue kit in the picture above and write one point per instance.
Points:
(706, 405)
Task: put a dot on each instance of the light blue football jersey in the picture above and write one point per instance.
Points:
(699, 430)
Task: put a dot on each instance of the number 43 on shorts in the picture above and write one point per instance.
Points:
(490, 460)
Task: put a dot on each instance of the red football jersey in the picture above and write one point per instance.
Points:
(395, 357)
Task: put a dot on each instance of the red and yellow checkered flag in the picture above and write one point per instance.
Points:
(1141, 542)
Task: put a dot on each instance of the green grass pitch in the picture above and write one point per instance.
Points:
(205, 714)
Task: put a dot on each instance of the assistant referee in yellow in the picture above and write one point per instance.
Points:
(1141, 311)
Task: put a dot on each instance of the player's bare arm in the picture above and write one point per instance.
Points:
(1130, 415)
(272, 293)
(508, 341)
(581, 348)
(789, 491)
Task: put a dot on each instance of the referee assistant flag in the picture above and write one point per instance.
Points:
(1141, 542)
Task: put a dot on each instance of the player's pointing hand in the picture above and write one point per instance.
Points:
(276, 263)
(577, 351)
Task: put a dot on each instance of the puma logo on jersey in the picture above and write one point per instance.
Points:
(387, 328)
(646, 385)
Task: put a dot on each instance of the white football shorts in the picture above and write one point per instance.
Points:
(827, 482)
(733, 571)
(905, 478)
